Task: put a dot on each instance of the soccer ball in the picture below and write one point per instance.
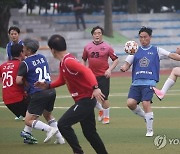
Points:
(131, 47)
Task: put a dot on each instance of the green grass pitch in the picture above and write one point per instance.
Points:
(124, 135)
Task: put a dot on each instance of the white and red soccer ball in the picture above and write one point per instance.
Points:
(131, 47)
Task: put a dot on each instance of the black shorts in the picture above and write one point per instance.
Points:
(40, 101)
(19, 108)
(104, 84)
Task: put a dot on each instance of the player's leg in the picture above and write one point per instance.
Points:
(100, 109)
(89, 128)
(147, 95)
(106, 110)
(104, 85)
(53, 123)
(72, 116)
(35, 109)
(175, 73)
(149, 117)
(134, 97)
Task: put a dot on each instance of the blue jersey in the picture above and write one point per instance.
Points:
(8, 49)
(37, 70)
(146, 64)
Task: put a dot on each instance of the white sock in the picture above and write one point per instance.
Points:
(99, 106)
(167, 85)
(106, 112)
(139, 111)
(40, 125)
(28, 129)
(149, 121)
(53, 123)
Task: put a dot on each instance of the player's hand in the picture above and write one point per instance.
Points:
(122, 69)
(178, 50)
(98, 95)
(107, 74)
(41, 85)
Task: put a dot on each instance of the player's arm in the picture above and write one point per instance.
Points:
(128, 62)
(115, 62)
(85, 58)
(21, 73)
(111, 67)
(174, 56)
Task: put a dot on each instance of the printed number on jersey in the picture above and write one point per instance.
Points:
(43, 74)
(7, 79)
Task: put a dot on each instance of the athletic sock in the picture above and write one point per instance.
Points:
(99, 106)
(40, 125)
(139, 111)
(106, 112)
(167, 85)
(27, 129)
(149, 121)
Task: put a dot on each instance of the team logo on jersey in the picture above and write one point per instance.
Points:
(144, 62)
(103, 48)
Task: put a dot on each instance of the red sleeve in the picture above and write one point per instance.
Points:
(59, 82)
(112, 54)
(76, 66)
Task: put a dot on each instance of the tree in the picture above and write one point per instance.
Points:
(4, 22)
(108, 27)
(5, 6)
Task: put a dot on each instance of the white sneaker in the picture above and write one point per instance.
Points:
(60, 141)
(105, 120)
(53, 131)
(19, 118)
(149, 133)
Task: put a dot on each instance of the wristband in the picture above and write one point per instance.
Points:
(95, 87)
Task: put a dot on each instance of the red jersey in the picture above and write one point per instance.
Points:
(11, 92)
(78, 78)
(97, 56)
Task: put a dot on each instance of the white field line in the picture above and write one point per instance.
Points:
(114, 95)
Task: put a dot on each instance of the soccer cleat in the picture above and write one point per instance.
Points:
(19, 118)
(100, 115)
(149, 133)
(158, 93)
(53, 131)
(105, 120)
(27, 136)
(60, 141)
(29, 141)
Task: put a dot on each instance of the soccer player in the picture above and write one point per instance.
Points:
(78, 12)
(97, 53)
(83, 87)
(175, 73)
(145, 75)
(14, 96)
(35, 68)
(14, 33)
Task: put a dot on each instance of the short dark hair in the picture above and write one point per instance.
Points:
(15, 28)
(97, 27)
(31, 44)
(16, 49)
(57, 42)
(146, 29)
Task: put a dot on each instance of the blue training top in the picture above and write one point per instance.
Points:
(8, 49)
(146, 66)
(37, 70)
